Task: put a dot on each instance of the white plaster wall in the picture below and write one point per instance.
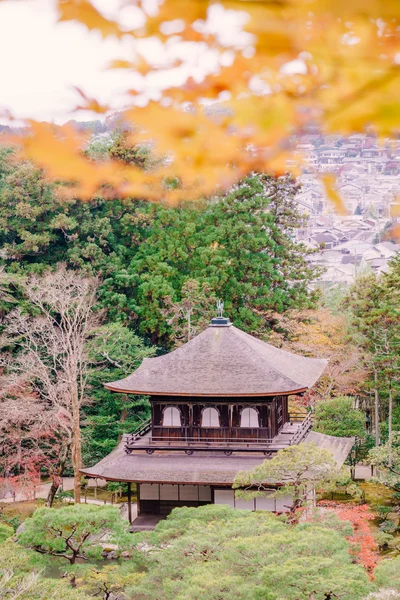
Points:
(244, 504)
(283, 503)
(149, 491)
(224, 497)
(189, 492)
(168, 492)
(265, 502)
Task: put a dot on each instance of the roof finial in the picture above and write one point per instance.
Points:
(220, 320)
(220, 308)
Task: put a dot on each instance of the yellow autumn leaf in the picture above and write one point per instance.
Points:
(393, 232)
(332, 193)
(349, 78)
(91, 104)
(84, 12)
(120, 64)
(395, 210)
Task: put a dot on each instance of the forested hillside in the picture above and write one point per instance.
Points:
(125, 280)
(156, 266)
(237, 246)
(157, 271)
(250, 446)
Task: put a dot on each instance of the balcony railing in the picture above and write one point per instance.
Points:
(298, 416)
(190, 439)
(302, 431)
(209, 434)
(224, 439)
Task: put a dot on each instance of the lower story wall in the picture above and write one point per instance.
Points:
(264, 502)
(160, 499)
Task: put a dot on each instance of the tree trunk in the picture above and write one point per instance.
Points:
(55, 482)
(52, 492)
(77, 464)
(390, 425)
(376, 394)
(76, 446)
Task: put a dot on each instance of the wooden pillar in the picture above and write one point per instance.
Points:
(190, 432)
(130, 503)
(273, 416)
(285, 409)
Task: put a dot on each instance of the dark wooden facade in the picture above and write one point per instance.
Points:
(272, 414)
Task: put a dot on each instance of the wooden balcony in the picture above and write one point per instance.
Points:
(209, 434)
(220, 439)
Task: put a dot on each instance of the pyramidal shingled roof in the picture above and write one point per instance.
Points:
(223, 361)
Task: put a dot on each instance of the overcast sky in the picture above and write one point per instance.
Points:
(41, 60)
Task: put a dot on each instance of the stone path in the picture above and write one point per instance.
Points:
(68, 485)
(40, 492)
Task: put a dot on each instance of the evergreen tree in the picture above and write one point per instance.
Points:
(375, 308)
(240, 246)
(338, 417)
(113, 351)
(216, 552)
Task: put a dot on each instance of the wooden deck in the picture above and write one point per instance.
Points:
(290, 434)
(145, 523)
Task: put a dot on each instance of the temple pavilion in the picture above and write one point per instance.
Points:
(219, 405)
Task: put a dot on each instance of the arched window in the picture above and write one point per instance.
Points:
(249, 418)
(210, 417)
(171, 417)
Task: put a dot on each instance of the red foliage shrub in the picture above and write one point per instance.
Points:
(363, 545)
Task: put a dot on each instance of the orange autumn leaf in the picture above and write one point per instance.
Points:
(332, 193)
(59, 152)
(395, 209)
(394, 232)
(91, 104)
(84, 12)
(363, 545)
(349, 77)
(120, 64)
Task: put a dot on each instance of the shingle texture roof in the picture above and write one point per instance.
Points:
(172, 467)
(203, 468)
(339, 446)
(223, 361)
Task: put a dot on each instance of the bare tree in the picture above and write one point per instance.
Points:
(51, 345)
(192, 313)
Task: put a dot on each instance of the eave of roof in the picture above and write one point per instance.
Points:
(199, 395)
(172, 467)
(205, 468)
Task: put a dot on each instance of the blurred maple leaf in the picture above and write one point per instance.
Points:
(84, 12)
(278, 67)
(91, 104)
(395, 209)
(332, 193)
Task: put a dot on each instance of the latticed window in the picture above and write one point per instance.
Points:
(172, 417)
(249, 418)
(210, 417)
